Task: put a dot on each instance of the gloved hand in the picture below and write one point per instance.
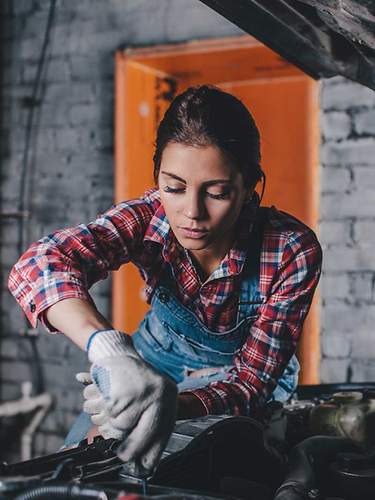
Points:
(141, 402)
(94, 405)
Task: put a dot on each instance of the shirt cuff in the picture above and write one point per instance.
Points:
(35, 307)
(41, 315)
(205, 398)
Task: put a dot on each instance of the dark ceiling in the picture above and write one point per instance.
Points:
(322, 37)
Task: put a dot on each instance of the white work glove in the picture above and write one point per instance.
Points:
(94, 405)
(141, 403)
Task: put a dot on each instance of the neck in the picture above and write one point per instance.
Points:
(208, 259)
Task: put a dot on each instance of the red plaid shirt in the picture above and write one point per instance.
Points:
(66, 263)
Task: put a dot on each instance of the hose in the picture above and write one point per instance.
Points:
(307, 463)
(62, 492)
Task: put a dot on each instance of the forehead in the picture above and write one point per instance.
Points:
(193, 163)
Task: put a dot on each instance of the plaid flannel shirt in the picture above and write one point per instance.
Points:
(68, 262)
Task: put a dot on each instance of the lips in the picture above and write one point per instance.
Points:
(195, 230)
(193, 233)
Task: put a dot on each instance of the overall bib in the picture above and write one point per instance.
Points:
(176, 342)
(173, 340)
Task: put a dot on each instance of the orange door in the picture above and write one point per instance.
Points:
(284, 103)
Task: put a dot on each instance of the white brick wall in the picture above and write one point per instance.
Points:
(347, 229)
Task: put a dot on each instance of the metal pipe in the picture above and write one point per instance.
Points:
(14, 214)
(27, 404)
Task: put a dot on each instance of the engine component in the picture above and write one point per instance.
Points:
(346, 414)
(308, 465)
(225, 457)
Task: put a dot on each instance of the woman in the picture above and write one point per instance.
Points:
(229, 284)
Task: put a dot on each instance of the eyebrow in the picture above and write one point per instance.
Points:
(207, 183)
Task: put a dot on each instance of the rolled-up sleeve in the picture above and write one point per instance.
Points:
(66, 263)
(273, 337)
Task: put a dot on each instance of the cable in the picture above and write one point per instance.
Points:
(32, 102)
(263, 187)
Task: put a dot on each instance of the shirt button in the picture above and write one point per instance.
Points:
(163, 297)
(32, 307)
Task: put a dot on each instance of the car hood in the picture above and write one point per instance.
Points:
(324, 38)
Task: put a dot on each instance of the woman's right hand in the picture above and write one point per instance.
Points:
(139, 402)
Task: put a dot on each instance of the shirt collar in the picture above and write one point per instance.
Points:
(159, 231)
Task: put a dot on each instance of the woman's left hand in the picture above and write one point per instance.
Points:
(94, 405)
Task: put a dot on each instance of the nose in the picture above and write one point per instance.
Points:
(194, 205)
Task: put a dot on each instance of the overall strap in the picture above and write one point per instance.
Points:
(249, 295)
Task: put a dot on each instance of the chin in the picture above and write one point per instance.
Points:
(191, 244)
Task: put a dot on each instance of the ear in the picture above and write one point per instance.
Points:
(249, 194)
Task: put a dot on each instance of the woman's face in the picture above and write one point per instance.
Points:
(202, 193)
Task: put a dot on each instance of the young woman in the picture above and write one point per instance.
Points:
(229, 284)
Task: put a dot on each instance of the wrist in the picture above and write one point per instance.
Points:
(107, 343)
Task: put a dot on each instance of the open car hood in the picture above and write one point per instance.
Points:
(324, 38)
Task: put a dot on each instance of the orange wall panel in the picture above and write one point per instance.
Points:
(285, 105)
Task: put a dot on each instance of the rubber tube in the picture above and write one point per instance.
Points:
(305, 461)
(62, 492)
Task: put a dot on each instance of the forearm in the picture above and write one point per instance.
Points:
(77, 319)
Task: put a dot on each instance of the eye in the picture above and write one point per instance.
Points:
(169, 189)
(216, 196)
(219, 196)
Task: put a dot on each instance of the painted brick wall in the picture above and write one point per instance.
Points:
(73, 180)
(347, 231)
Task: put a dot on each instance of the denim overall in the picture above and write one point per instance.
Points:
(176, 342)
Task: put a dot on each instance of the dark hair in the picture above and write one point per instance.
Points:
(205, 116)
